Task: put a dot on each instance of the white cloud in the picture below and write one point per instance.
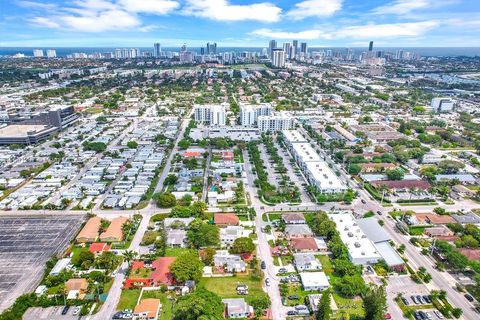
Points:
(374, 31)
(102, 15)
(400, 7)
(301, 35)
(371, 32)
(315, 8)
(149, 6)
(222, 10)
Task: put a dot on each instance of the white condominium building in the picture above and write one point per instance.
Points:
(249, 113)
(211, 114)
(275, 122)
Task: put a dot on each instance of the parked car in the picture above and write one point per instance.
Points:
(438, 314)
(417, 316)
(363, 201)
(76, 311)
(292, 313)
(428, 315)
(263, 265)
(420, 299)
(65, 310)
(267, 282)
(422, 314)
(469, 297)
(379, 213)
(293, 297)
(282, 270)
(427, 299)
(415, 300)
(405, 301)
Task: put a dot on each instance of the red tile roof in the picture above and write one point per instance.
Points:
(228, 219)
(434, 218)
(98, 247)
(303, 244)
(471, 254)
(191, 154)
(161, 272)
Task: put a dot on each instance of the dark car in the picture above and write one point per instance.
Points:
(468, 297)
(282, 270)
(263, 265)
(422, 314)
(420, 299)
(427, 299)
(415, 300)
(292, 312)
(65, 310)
(118, 315)
(363, 201)
(293, 297)
(379, 213)
(405, 301)
(417, 316)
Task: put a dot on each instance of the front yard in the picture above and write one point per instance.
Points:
(226, 287)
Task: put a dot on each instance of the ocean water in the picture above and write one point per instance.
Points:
(432, 51)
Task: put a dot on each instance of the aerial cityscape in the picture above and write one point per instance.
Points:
(184, 160)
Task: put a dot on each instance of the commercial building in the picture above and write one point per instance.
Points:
(249, 113)
(360, 249)
(25, 134)
(157, 50)
(212, 114)
(443, 105)
(272, 45)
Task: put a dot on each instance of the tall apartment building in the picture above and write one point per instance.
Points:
(51, 53)
(278, 58)
(38, 53)
(249, 113)
(211, 114)
(276, 122)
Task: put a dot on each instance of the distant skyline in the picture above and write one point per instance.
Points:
(241, 23)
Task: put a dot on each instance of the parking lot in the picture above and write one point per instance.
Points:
(50, 313)
(26, 243)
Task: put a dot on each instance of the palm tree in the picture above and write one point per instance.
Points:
(129, 256)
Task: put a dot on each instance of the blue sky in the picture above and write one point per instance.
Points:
(139, 23)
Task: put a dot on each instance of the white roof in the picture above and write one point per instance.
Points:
(306, 152)
(324, 176)
(314, 279)
(293, 136)
(357, 242)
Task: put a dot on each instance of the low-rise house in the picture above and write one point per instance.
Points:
(403, 184)
(229, 234)
(306, 262)
(469, 218)
(60, 266)
(297, 231)
(293, 218)
(237, 308)
(114, 231)
(98, 247)
(230, 262)
(147, 309)
(439, 231)
(471, 254)
(176, 238)
(314, 281)
(431, 218)
(76, 288)
(303, 244)
(226, 219)
(372, 167)
(89, 232)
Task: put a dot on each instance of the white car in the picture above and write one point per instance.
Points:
(267, 282)
(76, 311)
(438, 314)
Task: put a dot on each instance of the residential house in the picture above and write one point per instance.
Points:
(237, 308)
(114, 231)
(147, 309)
(226, 219)
(317, 281)
(176, 238)
(229, 234)
(297, 231)
(438, 231)
(373, 167)
(431, 218)
(98, 247)
(89, 232)
(230, 262)
(293, 218)
(76, 288)
(303, 244)
(306, 262)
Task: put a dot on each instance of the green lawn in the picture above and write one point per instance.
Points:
(175, 252)
(128, 299)
(327, 266)
(296, 289)
(226, 287)
(167, 304)
(352, 307)
(416, 231)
